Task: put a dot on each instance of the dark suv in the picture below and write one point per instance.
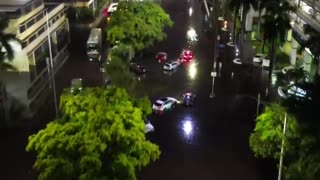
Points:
(138, 69)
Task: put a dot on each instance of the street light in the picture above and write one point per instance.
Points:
(50, 67)
(282, 148)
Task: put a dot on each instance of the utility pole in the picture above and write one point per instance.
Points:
(51, 71)
(215, 45)
(282, 147)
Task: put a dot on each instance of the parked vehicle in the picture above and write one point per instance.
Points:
(258, 58)
(76, 85)
(112, 8)
(189, 99)
(171, 65)
(161, 57)
(164, 104)
(94, 44)
(148, 127)
(138, 69)
(186, 56)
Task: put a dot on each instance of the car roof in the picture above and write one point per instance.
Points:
(76, 82)
(162, 53)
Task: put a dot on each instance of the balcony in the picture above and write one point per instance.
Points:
(313, 3)
(31, 42)
(307, 17)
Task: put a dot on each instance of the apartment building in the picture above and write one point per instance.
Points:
(307, 14)
(92, 4)
(32, 21)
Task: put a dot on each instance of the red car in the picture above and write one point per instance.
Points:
(161, 57)
(186, 56)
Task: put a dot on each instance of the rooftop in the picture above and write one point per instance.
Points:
(13, 2)
(12, 5)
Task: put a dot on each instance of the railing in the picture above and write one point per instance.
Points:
(29, 44)
(28, 24)
(38, 84)
(40, 24)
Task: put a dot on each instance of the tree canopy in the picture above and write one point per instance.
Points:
(138, 24)
(266, 139)
(101, 135)
(5, 38)
(118, 68)
(301, 148)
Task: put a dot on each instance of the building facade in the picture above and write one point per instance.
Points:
(307, 14)
(32, 21)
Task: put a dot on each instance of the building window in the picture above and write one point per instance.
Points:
(41, 31)
(32, 38)
(24, 44)
(62, 37)
(22, 28)
(32, 67)
(40, 57)
(30, 23)
(39, 17)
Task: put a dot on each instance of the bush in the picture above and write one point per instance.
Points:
(282, 60)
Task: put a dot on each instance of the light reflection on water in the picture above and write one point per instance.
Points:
(188, 129)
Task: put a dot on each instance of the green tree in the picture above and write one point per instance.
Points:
(5, 38)
(298, 74)
(138, 24)
(265, 141)
(118, 68)
(101, 135)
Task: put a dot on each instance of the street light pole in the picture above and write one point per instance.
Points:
(215, 55)
(50, 67)
(282, 148)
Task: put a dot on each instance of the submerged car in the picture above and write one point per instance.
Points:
(164, 104)
(76, 85)
(171, 65)
(138, 69)
(148, 127)
(186, 56)
(189, 99)
(161, 57)
(258, 58)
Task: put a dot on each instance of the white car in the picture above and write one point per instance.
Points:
(258, 58)
(149, 127)
(286, 69)
(171, 65)
(164, 104)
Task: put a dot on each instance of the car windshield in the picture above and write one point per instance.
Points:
(168, 65)
(163, 99)
(158, 104)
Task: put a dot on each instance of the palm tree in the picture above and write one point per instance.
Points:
(276, 24)
(5, 38)
(298, 74)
